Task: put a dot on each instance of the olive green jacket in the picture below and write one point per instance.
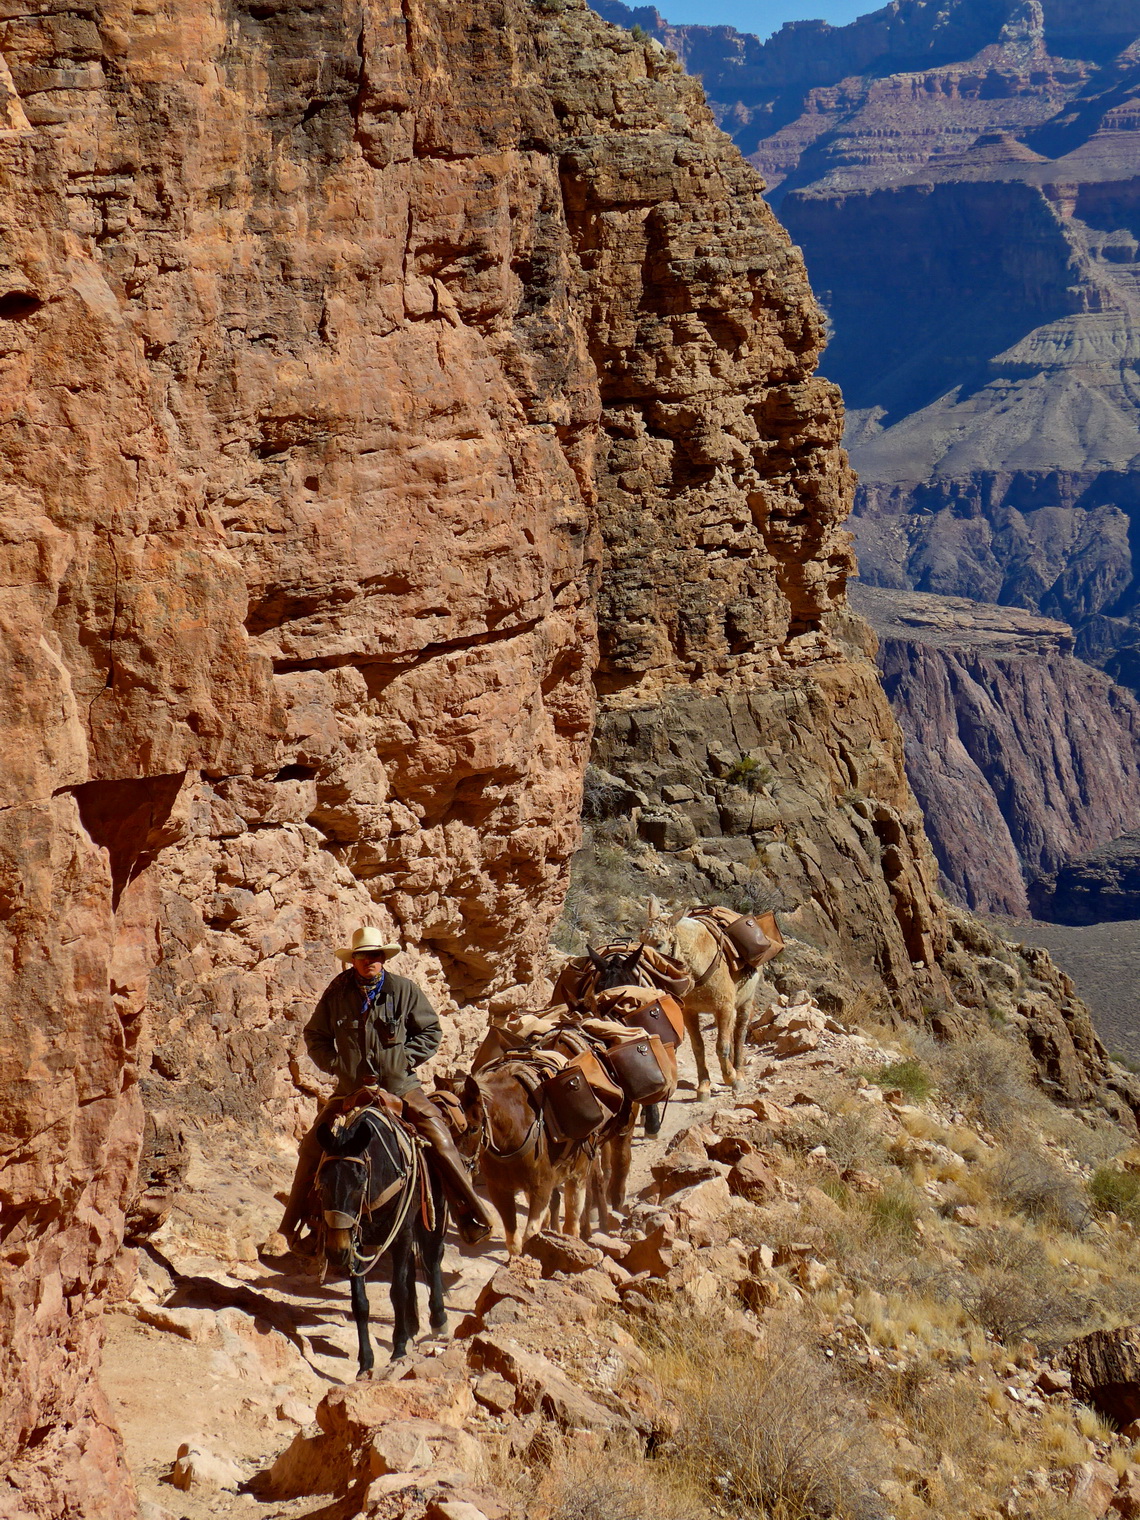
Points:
(401, 1032)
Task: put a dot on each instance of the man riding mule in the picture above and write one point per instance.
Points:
(372, 1029)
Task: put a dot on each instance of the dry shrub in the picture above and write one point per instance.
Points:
(1030, 1182)
(984, 1078)
(580, 1487)
(773, 1436)
(1018, 1294)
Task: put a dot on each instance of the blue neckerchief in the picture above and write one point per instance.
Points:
(372, 993)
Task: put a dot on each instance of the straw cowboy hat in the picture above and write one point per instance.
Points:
(367, 941)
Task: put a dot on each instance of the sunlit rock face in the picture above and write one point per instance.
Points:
(378, 385)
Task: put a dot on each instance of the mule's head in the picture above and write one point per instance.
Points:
(342, 1184)
(660, 926)
(471, 1097)
(618, 969)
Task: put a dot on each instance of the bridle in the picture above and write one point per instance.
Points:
(483, 1140)
(409, 1180)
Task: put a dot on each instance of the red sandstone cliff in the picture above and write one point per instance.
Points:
(339, 349)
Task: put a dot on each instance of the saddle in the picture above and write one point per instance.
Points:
(744, 940)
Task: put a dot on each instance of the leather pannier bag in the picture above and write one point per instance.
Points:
(662, 1017)
(639, 1072)
(583, 1054)
(755, 939)
(571, 1105)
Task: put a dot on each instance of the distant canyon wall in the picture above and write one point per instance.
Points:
(964, 180)
(388, 394)
(1021, 755)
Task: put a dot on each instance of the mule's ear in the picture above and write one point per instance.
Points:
(652, 908)
(595, 959)
(472, 1094)
(675, 918)
(633, 958)
(355, 1143)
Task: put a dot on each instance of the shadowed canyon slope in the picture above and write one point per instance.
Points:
(964, 182)
(372, 377)
(1021, 755)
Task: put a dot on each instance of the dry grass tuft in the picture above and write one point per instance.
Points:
(1018, 1293)
(772, 1435)
(580, 1487)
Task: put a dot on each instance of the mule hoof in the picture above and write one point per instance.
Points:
(364, 1375)
(704, 1092)
(439, 1327)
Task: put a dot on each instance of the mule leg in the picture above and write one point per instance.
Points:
(738, 1035)
(621, 1157)
(538, 1205)
(696, 1040)
(503, 1200)
(725, 1027)
(431, 1254)
(359, 1290)
(576, 1197)
(405, 1313)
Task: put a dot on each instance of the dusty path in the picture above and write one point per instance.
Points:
(223, 1351)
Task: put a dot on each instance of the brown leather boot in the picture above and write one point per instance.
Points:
(297, 1209)
(467, 1209)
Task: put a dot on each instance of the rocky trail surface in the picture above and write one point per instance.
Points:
(816, 1218)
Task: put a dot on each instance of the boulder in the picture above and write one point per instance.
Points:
(707, 1201)
(653, 1254)
(539, 1384)
(296, 1412)
(197, 1468)
(561, 1253)
(797, 1042)
(453, 1509)
(494, 1393)
(1053, 1380)
(1126, 1500)
(671, 1175)
(1093, 1486)
(753, 1179)
(423, 1417)
(1105, 1368)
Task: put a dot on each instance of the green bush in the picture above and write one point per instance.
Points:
(910, 1077)
(893, 1214)
(750, 773)
(1116, 1192)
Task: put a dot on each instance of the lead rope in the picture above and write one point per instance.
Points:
(362, 1264)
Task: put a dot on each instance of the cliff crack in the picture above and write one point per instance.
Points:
(411, 662)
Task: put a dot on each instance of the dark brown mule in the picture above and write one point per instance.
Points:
(507, 1138)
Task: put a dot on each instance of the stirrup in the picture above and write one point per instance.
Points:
(472, 1229)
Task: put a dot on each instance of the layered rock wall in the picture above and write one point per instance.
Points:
(298, 427)
(340, 348)
(963, 180)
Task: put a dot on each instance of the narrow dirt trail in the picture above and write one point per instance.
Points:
(230, 1354)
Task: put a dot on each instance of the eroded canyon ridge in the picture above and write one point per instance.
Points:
(385, 390)
(963, 179)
